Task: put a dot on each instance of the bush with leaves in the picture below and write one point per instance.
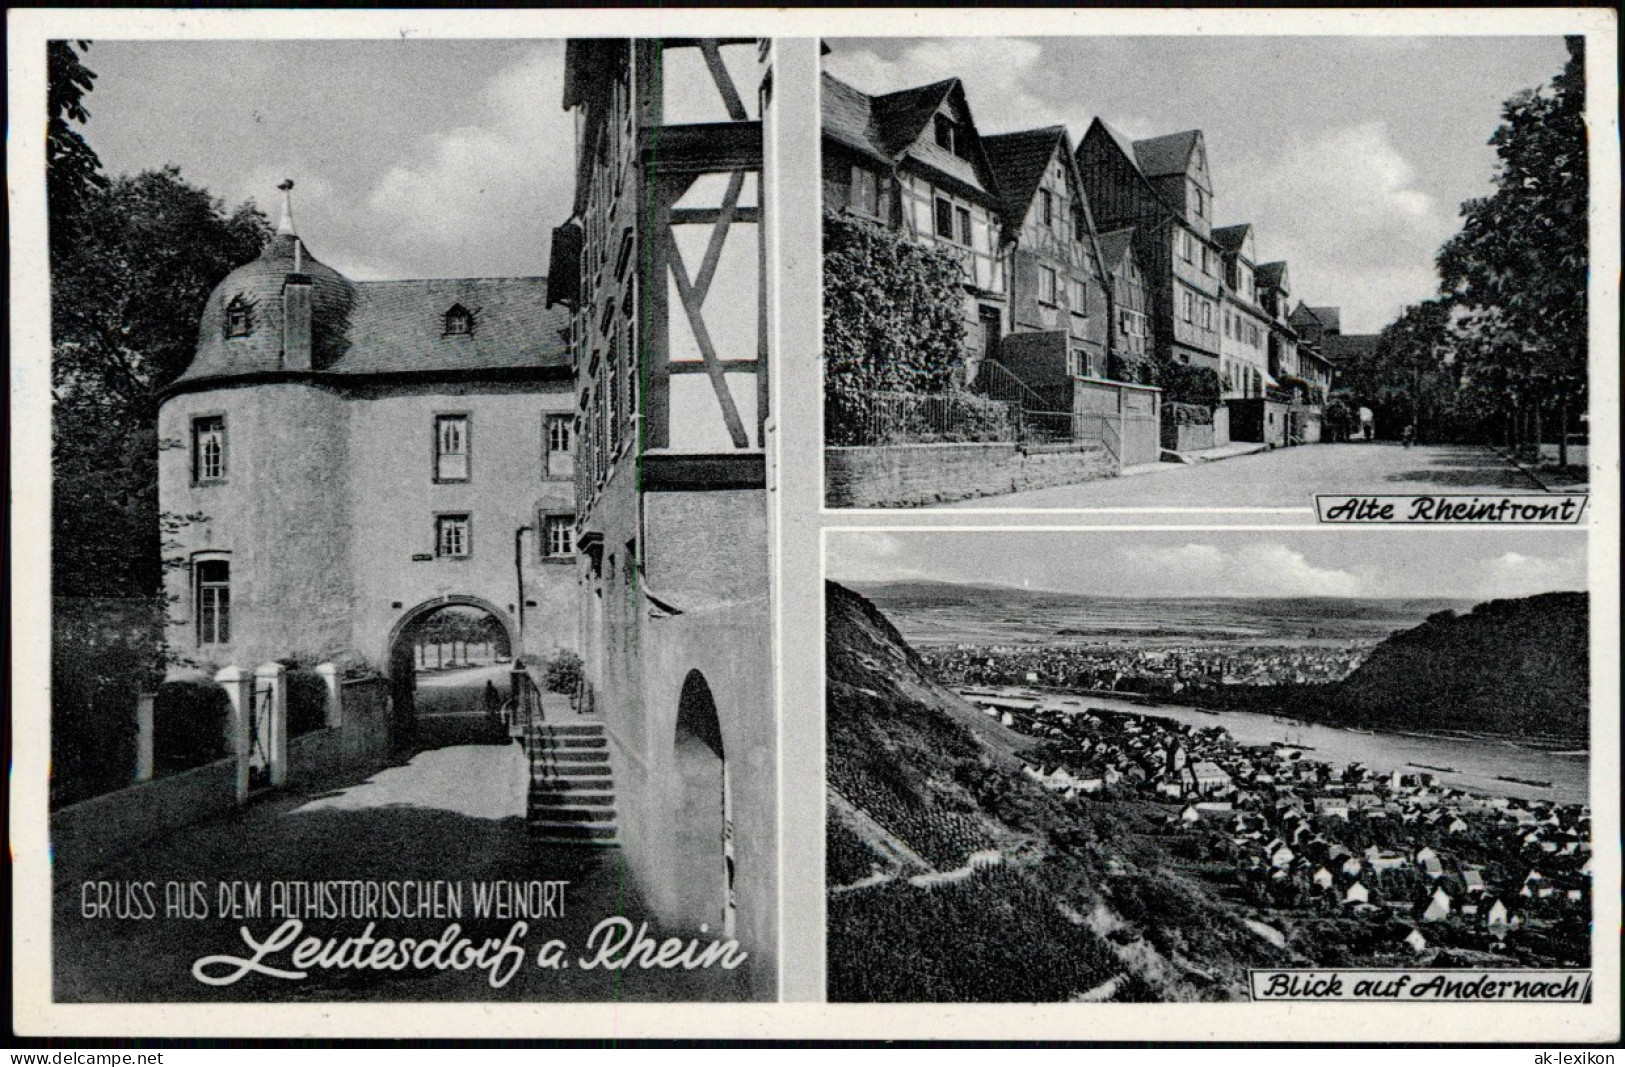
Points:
(893, 312)
(562, 672)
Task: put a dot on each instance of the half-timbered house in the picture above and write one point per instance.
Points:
(914, 161)
(662, 266)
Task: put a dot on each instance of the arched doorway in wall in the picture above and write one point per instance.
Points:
(704, 838)
(449, 665)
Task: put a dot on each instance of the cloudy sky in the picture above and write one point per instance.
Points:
(1466, 564)
(411, 158)
(1350, 155)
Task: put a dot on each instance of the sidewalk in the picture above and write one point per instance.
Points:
(1555, 479)
(1207, 455)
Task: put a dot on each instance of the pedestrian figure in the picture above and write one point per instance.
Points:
(1409, 435)
(493, 699)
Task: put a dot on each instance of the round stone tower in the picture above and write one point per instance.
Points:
(253, 470)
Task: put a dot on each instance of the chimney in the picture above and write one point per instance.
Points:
(296, 294)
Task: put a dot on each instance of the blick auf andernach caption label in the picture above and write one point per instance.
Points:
(1465, 986)
(1456, 509)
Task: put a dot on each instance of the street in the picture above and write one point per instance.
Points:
(454, 810)
(1286, 478)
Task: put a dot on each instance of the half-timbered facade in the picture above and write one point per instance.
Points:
(1161, 188)
(913, 160)
(1244, 369)
(663, 267)
(1130, 329)
(1057, 282)
(1274, 284)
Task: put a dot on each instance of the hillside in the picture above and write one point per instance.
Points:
(1512, 667)
(953, 877)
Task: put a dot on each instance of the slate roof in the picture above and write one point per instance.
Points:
(847, 117)
(1019, 161)
(400, 326)
(1124, 144)
(900, 117)
(1115, 245)
(361, 328)
(1168, 154)
(1270, 275)
(1331, 317)
(1350, 348)
(1231, 238)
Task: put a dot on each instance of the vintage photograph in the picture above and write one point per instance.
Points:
(400, 390)
(1073, 272)
(1153, 765)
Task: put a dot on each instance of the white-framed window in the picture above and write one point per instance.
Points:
(944, 218)
(1201, 203)
(451, 448)
(1207, 314)
(453, 536)
(962, 216)
(1046, 208)
(1186, 248)
(558, 536)
(1188, 306)
(211, 582)
(945, 133)
(1046, 284)
(208, 449)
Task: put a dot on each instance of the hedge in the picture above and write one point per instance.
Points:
(191, 725)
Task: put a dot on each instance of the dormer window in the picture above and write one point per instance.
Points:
(239, 317)
(459, 320)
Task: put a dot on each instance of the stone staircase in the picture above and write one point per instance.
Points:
(572, 792)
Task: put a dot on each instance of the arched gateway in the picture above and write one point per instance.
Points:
(403, 655)
(705, 854)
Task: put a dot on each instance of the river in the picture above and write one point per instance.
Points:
(1474, 765)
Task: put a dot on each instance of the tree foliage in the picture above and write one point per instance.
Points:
(72, 169)
(133, 261)
(1520, 264)
(893, 312)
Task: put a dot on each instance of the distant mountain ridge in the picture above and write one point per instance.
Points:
(1514, 667)
(935, 613)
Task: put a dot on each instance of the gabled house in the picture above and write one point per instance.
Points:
(1161, 188)
(913, 161)
(1437, 908)
(1130, 330)
(1058, 293)
(1244, 369)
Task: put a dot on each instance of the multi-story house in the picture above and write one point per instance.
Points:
(913, 160)
(1057, 284)
(1162, 189)
(1275, 297)
(1244, 369)
(663, 267)
(1131, 308)
(1322, 343)
(361, 455)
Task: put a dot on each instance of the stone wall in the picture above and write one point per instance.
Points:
(911, 475)
(88, 834)
(362, 738)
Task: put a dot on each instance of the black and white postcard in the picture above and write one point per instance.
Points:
(1083, 525)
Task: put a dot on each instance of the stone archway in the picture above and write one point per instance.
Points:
(401, 657)
(704, 831)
